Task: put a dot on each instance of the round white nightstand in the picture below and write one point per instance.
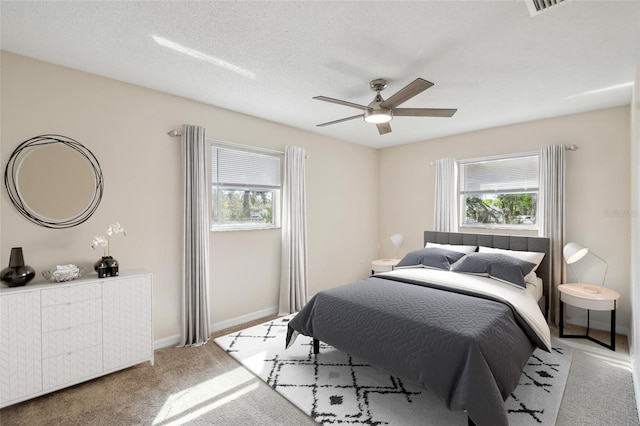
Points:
(383, 265)
(591, 298)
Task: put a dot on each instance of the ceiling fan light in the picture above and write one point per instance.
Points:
(377, 117)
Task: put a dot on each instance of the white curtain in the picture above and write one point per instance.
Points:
(293, 272)
(446, 199)
(551, 216)
(195, 283)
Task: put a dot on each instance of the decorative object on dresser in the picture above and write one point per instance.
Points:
(107, 266)
(54, 181)
(573, 252)
(57, 335)
(17, 273)
(62, 273)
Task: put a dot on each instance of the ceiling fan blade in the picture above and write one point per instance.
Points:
(423, 112)
(418, 85)
(338, 121)
(383, 128)
(338, 101)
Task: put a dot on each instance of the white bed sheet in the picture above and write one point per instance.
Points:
(536, 289)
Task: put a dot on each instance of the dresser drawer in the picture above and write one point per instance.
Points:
(70, 294)
(71, 367)
(72, 339)
(63, 316)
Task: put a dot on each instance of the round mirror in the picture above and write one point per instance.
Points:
(54, 181)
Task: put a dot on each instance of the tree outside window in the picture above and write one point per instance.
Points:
(501, 209)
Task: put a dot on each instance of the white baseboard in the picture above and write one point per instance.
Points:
(243, 319)
(166, 342)
(217, 326)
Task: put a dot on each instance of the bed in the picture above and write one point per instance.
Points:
(466, 337)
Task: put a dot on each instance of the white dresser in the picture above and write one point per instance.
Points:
(54, 335)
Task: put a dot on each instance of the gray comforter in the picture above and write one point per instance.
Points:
(469, 351)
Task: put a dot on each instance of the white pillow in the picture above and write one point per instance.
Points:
(531, 278)
(461, 249)
(529, 256)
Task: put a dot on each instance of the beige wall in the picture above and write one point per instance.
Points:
(126, 126)
(598, 184)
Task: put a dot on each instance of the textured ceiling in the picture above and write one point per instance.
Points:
(491, 60)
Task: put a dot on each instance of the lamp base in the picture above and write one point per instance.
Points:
(592, 288)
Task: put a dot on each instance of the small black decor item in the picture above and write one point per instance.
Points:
(17, 274)
(107, 266)
(112, 267)
(101, 267)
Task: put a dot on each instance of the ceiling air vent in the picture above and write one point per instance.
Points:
(538, 6)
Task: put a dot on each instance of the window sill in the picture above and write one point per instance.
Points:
(507, 227)
(242, 228)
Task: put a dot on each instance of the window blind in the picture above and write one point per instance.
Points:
(234, 168)
(505, 175)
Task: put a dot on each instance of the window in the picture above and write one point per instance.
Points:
(245, 189)
(499, 192)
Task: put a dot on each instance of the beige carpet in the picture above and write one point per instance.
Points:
(206, 386)
(599, 390)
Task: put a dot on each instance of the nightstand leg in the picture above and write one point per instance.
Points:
(561, 318)
(613, 329)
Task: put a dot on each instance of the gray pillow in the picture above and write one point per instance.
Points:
(498, 266)
(435, 258)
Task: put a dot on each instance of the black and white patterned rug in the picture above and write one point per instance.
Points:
(337, 388)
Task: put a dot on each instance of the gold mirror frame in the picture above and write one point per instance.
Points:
(12, 177)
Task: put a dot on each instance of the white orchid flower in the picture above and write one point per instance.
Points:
(102, 241)
(99, 241)
(115, 228)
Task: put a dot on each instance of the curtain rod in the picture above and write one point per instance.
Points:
(571, 147)
(175, 133)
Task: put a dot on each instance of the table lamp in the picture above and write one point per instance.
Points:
(573, 252)
(397, 240)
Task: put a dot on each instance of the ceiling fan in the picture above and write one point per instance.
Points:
(381, 112)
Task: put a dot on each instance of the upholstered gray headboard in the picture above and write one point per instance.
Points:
(506, 242)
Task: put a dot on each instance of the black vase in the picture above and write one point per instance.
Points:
(17, 273)
(107, 266)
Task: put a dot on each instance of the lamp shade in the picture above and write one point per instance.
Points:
(573, 252)
(397, 240)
